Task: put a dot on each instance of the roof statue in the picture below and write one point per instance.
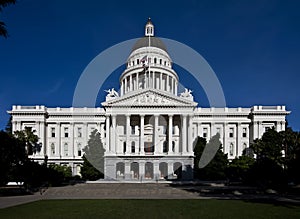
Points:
(111, 93)
(187, 94)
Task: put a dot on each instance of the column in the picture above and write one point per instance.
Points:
(212, 130)
(108, 146)
(282, 125)
(137, 80)
(149, 79)
(190, 134)
(278, 126)
(239, 145)
(122, 87)
(42, 137)
(170, 133)
(161, 81)
(183, 133)
(260, 129)
(19, 126)
(156, 174)
(142, 134)
(130, 82)
(170, 171)
(168, 87)
(101, 131)
(58, 138)
(127, 170)
(172, 81)
(125, 90)
(153, 80)
(128, 143)
(199, 131)
(157, 148)
(225, 136)
(142, 170)
(72, 139)
(176, 84)
(14, 126)
(114, 133)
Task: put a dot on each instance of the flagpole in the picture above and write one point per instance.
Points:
(149, 44)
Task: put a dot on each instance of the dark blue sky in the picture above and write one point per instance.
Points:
(253, 47)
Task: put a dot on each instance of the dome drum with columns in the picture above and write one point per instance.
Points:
(147, 129)
(149, 66)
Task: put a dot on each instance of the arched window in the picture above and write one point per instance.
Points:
(66, 149)
(160, 61)
(133, 147)
(52, 149)
(155, 60)
(120, 170)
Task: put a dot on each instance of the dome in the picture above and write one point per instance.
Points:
(154, 42)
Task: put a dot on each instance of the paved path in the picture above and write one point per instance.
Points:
(132, 191)
(18, 200)
(102, 191)
(118, 191)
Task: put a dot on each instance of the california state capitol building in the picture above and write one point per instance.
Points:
(147, 128)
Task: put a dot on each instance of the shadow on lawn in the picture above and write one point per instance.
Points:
(219, 190)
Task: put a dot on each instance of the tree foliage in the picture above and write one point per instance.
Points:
(277, 158)
(12, 156)
(93, 158)
(30, 140)
(238, 168)
(3, 4)
(216, 168)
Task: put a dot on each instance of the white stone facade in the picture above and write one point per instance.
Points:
(148, 129)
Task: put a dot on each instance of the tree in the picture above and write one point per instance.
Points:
(270, 146)
(198, 150)
(30, 140)
(238, 168)
(8, 128)
(268, 168)
(12, 156)
(215, 169)
(93, 158)
(3, 4)
(291, 144)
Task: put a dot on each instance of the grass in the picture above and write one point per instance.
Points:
(150, 209)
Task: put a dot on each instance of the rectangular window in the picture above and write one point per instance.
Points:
(66, 149)
(79, 132)
(244, 132)
(124, 147)
(52, 149)
(53, 132)
(231, 130)
(79, 149)
(66, 130)
(231, 149)
(204, 132)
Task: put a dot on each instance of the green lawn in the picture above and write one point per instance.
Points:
(150, 209)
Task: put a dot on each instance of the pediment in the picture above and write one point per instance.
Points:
(149, 97)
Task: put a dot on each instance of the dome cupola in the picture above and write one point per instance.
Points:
(149, 66)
